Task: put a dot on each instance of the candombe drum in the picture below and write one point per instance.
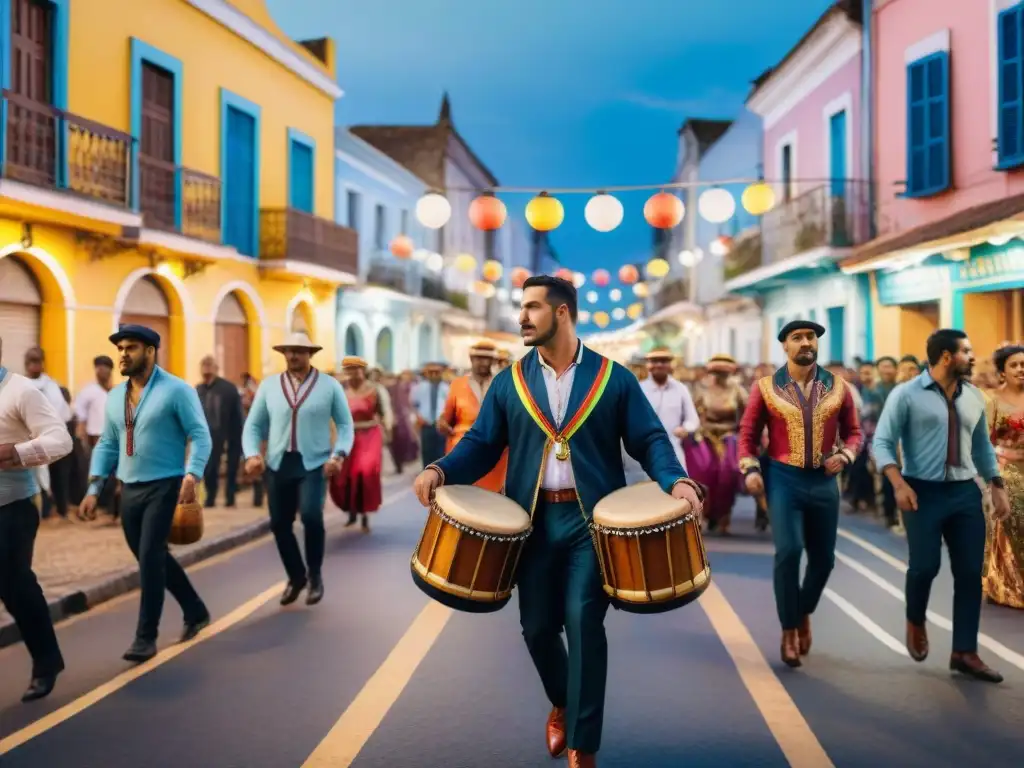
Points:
(187, 526)
(650, 548)
(469, 551)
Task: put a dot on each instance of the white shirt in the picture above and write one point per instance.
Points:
(51, 390)
(673, 403)
(558, 474)
(91, 408)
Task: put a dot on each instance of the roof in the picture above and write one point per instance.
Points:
(706, 131)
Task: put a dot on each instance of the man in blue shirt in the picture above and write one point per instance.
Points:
(428, 399)
(149, 421)
(938, 419)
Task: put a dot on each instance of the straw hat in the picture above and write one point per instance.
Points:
(353, 361)
(484, 348)
(722, 363)
(661, 353)
(297, 341)
(504, 354)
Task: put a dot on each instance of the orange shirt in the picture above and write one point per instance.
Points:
(460, 411)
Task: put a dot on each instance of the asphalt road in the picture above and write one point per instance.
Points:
(378, 676)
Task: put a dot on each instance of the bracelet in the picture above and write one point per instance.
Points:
(437, 469)
(692, 484)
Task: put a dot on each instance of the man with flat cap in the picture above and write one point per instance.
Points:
(150, 420)
(807, 410)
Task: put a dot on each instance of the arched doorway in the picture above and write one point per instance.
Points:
(385, 351)
(353, 341)
(232, 339)
(147, 305)
(20, 312)
(425, 345)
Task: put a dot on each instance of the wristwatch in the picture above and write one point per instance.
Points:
(997, 482)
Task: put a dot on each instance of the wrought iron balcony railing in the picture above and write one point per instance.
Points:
(394, 276)
(200, 199)
(745, 255)
(836, 215)
(671, 291)
(288, 234)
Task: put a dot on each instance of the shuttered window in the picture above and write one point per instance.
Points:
(928, 134)
(1009, 33)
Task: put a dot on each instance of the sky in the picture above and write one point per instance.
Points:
(556, 93)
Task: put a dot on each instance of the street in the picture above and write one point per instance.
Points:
(377, 675)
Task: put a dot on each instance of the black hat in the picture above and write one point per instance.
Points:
(147, 336)
(801, 325)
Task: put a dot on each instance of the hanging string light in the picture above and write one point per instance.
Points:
(402, 247)
(433, 210)
(592, 297)
(487, 212)
(519, 276)
(492, 270)
(716, 205)
(657, 268)
(465, 262)
(634, 311)
(720, 246)
(434, 262)
(601, 277)
(664, 210)
(601, 319)
(565, 274)
(758, 198)
(618, 313)
(544, 213)
(641, 291)
(628, 274)
(584, 316)
(579, 279)
(603, 212)
(615, 294)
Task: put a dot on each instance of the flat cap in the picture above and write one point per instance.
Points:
(801, 325)
(147, 336)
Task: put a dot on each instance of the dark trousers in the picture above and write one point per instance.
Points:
(291, 490)
(889, 502)
(950, 511)
(147, 512)
(20, 591)
(432, 444)
(560, 588)
(211, 479)
(860, 482)
(804, 506)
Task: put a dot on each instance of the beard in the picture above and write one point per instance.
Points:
(133, 367)
(806, 357)
(543, 338)
(964, 371)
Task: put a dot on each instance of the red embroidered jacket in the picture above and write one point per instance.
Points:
(801, 432)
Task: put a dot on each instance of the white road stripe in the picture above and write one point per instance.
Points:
(881, 554)
(872, 629)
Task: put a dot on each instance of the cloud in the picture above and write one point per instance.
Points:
(712, 101)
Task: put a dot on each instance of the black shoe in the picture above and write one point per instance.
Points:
(316, 590)
(192, 629)
(292, 592)
(969, 664)
(351, 520)
(140, 651)
(39, 688)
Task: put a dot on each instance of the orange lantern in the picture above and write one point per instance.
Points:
(487, 212)
(492, 270)
(663, 210)
(519, 276)
(402, 247)
(565, 274)
(628, 274)
(601, 277)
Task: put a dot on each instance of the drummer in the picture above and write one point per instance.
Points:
(559, 408)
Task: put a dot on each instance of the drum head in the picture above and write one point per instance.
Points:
(483, 511)
(639, 506)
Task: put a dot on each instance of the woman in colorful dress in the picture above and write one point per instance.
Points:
(711, 455)
(356, 489)
(1003, 581)
(405, 448)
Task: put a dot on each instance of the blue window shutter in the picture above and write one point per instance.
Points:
(301, 182)
(928, 134)
(1011, 84)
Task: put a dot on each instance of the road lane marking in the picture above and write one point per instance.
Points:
(780, 713)
(738, 548)
(878, 552)
(866, 623)
(346, 739)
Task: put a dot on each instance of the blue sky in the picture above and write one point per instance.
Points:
(560, 93)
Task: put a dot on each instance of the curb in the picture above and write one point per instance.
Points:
(127, 580)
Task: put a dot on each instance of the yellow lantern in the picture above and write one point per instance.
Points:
(544, 213)
(758, 198)
(635, 310)
(492, 270)
(601, 319)
(465, 262)
(657, 268)
(641, 291)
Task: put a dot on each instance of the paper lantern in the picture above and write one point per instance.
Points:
(716, 205)
(433, 210)
(657, 268)
(633, 311)
(492, 270)
(663, 210)
(420, 255)
(601, 277)
(517, 294)
(618, 313)
(641, 291)
(402, 247)
(579, 279)
(485, 289)
(603, 212)
(519, 276)
(564, 274)
(758, 198)
(615, 294)
(584, 316)
(465, 262)
(544, 213)
(601, 319)
(487, 213)
(628, 274)
(434, 262)
(721, 245)
(592, 297)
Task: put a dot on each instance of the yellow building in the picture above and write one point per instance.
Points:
(174, 166)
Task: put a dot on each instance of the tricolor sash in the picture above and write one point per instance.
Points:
(560, 438)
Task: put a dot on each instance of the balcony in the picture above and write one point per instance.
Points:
(393, 276)
(200, 203)
(835, 215)
(49, 148)
(290, 235)
(671, 291)
(433, 288)
(744, 255)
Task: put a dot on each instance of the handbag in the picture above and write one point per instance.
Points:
(187, 526)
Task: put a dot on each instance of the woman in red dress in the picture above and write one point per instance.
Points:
(356, 489)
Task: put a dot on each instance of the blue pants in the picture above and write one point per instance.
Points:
(293, 489)
(949, 511)
(804, 508)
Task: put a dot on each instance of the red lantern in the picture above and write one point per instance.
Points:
(628, 274)
(402, 247)
(519, 276)
(663, 210)
(601, 278)
(565, 274)
(487, 213)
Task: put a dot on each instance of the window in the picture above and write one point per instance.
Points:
(240, 177)
(353, 204)
(404, 222)
(380, 228)
(928, 150)
(1009, 33)
(301, 149)
(787, 172)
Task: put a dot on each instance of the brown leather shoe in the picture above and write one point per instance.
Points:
(555, 732)
(971, 665)
(579, 759)
(917, 641)
(804, 636)
(790, 649)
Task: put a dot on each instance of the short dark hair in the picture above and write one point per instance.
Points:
(559, 292)
(886, 359)
(102, 360)
(943, 340)
(1003, 354)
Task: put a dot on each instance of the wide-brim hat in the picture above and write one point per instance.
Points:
(484, 348)
(661, 353)
(801, 325)
(353, 361)
(723, 363)
(147, 336)
(297, 341)
(504, 354)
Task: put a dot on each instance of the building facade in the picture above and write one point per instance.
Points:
(174, 166)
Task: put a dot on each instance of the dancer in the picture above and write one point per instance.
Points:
(939, 420)
(32, 434)
(463, 405)
(537, 409)
(293, 412)
(671, 400)
(151, 418)
(428, 398)
(357, 489)
(806, 409)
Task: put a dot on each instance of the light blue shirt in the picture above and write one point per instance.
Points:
(168, 416)
(270, 419)
(427, 404)
(916, 417)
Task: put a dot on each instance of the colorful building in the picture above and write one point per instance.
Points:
(948, 86)
(174, 166)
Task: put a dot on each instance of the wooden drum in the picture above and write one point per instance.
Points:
(651, 551)
(469, 551)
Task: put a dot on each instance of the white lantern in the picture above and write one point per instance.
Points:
(517, 294)
(433, 210)
(687, 259)
(420, 254)
(592, 297)
(716, 205)
(579, 279)
(615, 294)
(434, 262)
(603, 212)
(718, 247)
(618, 313)
(584, 316)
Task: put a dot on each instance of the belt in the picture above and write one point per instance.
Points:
(558, 497)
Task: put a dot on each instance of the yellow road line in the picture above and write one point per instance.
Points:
(780, 713)
(364, 715)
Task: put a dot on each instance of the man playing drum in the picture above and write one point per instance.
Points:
(563, 411)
